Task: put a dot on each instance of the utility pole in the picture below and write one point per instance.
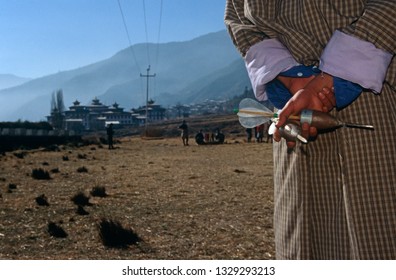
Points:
(147, 92)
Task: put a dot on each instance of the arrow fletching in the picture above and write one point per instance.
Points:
(251, 122)
(252, 113)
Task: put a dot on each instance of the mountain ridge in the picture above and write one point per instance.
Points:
(11, 80)
(188, 71)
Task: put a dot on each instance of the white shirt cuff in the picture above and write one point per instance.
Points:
(355, 60)
(264, 61)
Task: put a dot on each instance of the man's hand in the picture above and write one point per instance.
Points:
(317, 94)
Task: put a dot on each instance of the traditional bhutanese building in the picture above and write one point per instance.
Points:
(97, 116)
(155, 113)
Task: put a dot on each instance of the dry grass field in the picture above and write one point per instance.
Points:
(179, 202)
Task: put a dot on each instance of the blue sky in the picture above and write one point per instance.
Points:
(42, 37)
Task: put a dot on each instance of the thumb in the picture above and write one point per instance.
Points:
(284, 115)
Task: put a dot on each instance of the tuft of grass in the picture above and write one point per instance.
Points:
(98, 191)
(81, 199)
(42, 200)
(82, 169)
(20, 155)
(40, 174)
(82, 156)
(114, 235)
(81, 211)
(56, 231)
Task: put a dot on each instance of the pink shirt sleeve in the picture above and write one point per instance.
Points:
(355, 60)
(264, 61)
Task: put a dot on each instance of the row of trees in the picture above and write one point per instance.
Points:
(57, 109)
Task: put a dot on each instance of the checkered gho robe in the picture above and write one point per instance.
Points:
(335, 198)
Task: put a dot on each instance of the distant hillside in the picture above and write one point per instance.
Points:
(224, 84)
(8, 80)
(192, 71)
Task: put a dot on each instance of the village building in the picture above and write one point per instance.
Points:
(97, 116)
(155, 113)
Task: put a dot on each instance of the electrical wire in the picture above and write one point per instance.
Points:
(146, 31)
(129, 38)
(147, 38)
(158, 44)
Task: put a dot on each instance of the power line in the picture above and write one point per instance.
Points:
(159, 33)
(127, 33)
(146, 31)
(147, 44)
(158, 43)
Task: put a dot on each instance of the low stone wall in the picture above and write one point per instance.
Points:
(15, 138)
(35, 132)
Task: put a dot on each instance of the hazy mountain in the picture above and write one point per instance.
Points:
(186, 72)
(8, 80)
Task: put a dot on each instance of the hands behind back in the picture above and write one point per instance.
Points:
(315, 92)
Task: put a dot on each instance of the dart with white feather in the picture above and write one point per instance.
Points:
(252, 113)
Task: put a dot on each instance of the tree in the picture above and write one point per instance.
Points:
(57, 109)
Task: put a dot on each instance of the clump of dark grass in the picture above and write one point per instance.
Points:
(81, 211)
(56, 231)
(20, 155)
(65, 158)
(82, 169)
(98, 191)
(42, 200)
(40, 174)
(55, 170)
(81, 199)
(82, 156)
(12, 186)
(114, 235)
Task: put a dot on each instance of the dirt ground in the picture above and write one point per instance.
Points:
(184, 202)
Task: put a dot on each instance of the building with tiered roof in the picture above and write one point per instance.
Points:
(97, 116)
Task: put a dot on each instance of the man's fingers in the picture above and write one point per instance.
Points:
(313, 131)
(284, 115)
(305, 130)
(290, 144)
(327, 97)
(276, 136)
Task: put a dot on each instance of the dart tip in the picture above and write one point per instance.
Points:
(302, 139)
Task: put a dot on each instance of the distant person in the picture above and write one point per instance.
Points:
(184, 134)
(266, 131)
(207, 137)
(249, 134)
(200, 138)
(219, 137)
(110, 134)
(259, 133)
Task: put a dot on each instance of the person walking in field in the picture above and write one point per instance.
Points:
(184, 133)
(110, 134)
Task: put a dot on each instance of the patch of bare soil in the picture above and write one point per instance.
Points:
(146, 199)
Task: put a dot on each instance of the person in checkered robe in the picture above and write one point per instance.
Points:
(335, 197)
